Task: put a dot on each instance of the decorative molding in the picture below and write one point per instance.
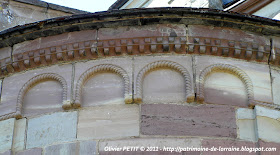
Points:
(33, 81)
(103, 67)
(18, 114)
(136, 46)
(229, 48)
(160, 64)
(270, 105)
(231, 69)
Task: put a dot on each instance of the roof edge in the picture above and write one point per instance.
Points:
(118, 4)
(52, 6)
(132, 17)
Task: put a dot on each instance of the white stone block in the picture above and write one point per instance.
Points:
(268, 123)
(105, 122)
(81, 148)
(6, 134)
(276, 86)
(47, 129)
(266, 112)
(244, 113)
(19, 135)
(268, 129)
(246, 130)
(87, 147)
(61, 149)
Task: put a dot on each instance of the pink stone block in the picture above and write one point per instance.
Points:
(268, 145)
(142, 31)
(232, 82)
(225, 33)
(179, 120)
(52, 41)
(36, 151)
(13, 85)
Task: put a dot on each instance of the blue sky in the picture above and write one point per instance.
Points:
(86, 5)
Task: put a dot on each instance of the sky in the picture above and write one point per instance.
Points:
(85, 5)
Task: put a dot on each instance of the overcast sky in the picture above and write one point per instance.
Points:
(86, 5)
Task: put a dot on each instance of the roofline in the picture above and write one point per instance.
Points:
(52, 6)
(230, 3)
(132, 17)
(118, 4)
(250, 6)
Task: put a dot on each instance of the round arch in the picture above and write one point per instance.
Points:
(160, 64)
(103, 67)
(228, 68)
(35, 80)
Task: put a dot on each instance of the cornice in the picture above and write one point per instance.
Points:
(132, 17)
(99, 48)
(91, 49)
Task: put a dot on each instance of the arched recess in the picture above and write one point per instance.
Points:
(230, 69)
(161, 64)
(103, 67)
(36, 80)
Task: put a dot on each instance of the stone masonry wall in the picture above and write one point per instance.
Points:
(164, 85)
(14, 13)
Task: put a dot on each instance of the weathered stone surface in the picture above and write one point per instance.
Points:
(5, 52)
(88, 147)
(266, 112)
(258, 74)
(104, 86)
(225, 33)
(246, 129)
(269, 145)
(229, 144)
(49, 91)
(14, 83)
(66, 38)
(162, 84)
(245, 113)
(275, 73)
(215, 84)
(64, 149)
(158, 30)
(47, 129)
(9, 152)
(268, 129)
(19, 135)
(53, 41)
(55, 13)
(161, 143)
(268, 123)
(6, 134)
(21, 13)
(35, 151)
(201, 120)
(246, 124)
(105, 122)
(81, 148)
